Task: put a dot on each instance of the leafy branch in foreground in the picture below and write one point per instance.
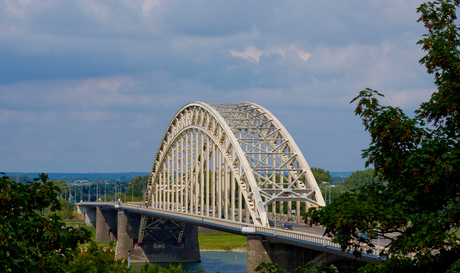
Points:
(311, 267)
(418, 207)
(31, 241)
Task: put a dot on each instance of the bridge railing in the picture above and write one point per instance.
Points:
(317, 240)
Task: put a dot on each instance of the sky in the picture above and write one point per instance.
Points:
(90, 86)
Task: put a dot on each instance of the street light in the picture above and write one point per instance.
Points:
(105, 192)
(97, 191)
(330, 194)
(325, 191)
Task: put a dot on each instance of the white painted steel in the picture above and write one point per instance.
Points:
(243, 154)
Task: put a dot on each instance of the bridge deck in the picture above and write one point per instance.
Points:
(302, 238)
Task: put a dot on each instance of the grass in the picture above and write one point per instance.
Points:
(221, 241)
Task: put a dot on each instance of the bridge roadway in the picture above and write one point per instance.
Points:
(302, 235)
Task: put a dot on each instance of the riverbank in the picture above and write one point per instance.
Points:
(222, 241)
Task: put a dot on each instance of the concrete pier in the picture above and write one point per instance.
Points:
(289, 257)
(169, 241)
(106, 225)
(127, 233)
(166, 241)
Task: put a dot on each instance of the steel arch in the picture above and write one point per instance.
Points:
(220, 160)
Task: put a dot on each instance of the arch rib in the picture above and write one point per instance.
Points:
(218, 159)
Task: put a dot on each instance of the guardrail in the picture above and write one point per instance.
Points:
(247, 228)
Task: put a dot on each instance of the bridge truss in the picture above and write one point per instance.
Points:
(229, 161)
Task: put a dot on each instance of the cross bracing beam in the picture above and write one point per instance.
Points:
(229, 161)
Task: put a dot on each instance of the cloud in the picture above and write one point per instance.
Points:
(106, 77)
(253, 53)
(26, 117)
(95, 116)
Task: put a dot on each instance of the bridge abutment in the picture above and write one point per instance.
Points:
(90, 216)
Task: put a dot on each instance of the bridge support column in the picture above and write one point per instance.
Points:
(90, 216)
(170, 241)
(106, 225)
(127, 230)
(289, 257)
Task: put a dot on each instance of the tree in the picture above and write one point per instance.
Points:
(136, 187)
(418, 157)
(29, 240)
(311, 266)
(321, 175)
(359, 178)
(23, 178)
(98, 258)
(156, 268)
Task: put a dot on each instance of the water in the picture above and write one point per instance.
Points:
(211, 262)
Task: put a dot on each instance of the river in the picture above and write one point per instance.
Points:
(211, 262)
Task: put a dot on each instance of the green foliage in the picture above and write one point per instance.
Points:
(324, 179)
(29, 240)
(59, 184)
(23, 178)
(136, 187)
(419, 158)
(98, 258)
(355, 181)
(321, 175)
(359, 178)
(68, 210)
(311, 267)
(270, 268)
(155, 268)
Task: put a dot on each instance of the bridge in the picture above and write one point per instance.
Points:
(231, 167)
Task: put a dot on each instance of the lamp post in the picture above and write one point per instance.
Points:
(325, 191)
(105, 192)
(330, 194)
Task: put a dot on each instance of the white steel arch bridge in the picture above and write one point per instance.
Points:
(230, 161)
